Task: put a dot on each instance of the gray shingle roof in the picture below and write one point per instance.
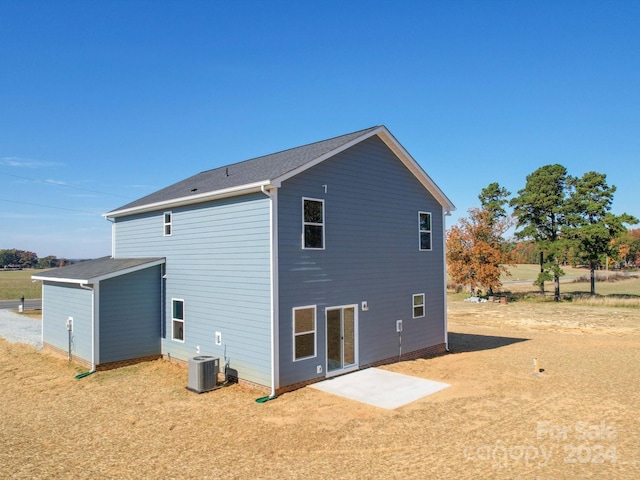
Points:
(244, 173)
(99, 269)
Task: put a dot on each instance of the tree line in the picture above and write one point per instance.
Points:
(628, 251)
(558, 218)
(18, 259)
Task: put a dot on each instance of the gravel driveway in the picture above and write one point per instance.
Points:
(18, 328)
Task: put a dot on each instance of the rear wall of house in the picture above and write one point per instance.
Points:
(59, 302)
(218, 263)
(371, 254)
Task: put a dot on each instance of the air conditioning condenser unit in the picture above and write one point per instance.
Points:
(203, 373)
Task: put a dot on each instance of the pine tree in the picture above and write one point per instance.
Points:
(539, 210)
(593, 226)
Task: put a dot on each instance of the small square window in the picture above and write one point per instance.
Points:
(424, 230)
(418, 305)
(167, 223)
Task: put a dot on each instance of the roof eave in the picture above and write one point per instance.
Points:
(99, 278)
(192, 199)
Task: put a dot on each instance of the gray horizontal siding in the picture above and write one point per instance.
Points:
(59, 302)
(372, 254)
(218, 262)
(130, 316)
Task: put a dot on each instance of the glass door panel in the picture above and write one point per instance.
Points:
(334, 340)
(348, 329)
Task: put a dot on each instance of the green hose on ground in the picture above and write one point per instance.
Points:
(265, 399)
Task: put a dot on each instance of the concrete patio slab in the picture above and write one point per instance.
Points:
(380, 388)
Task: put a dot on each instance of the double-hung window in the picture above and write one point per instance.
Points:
(312, 224)
(424, 230)
(418, 305)
(177, 319)
(304, 332)
(168, 217)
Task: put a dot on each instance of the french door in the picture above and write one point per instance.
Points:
(342, 337)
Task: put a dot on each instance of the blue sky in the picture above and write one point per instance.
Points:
(104, 102)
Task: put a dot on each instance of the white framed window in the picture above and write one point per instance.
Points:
(418, 305)
(304, 332)
(177, 319)
(168, 218)
(424, 230)
(312, 224)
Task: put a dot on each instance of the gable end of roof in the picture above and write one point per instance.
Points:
(399, 151)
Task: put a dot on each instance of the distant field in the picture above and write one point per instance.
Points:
(530, 272)
(17, 283)
(629, 286)
(519, 286)
(524, 271)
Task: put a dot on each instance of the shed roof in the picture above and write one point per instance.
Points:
(94, 271)
(267, 172)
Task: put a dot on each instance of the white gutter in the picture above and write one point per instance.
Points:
(61, 280)
(191, 199)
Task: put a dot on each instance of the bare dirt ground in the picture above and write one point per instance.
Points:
(577, 419)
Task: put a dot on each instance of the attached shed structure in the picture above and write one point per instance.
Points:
(104, 311)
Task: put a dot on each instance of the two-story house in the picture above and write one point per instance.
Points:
(291, 267)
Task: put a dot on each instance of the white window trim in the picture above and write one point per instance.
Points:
(313, 224)
(169, 223)
(184, 330)
(414, 305)
(315, 332)
(420, 232)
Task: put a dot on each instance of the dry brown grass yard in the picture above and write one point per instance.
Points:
(577, 419)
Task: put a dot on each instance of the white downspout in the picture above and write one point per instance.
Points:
(163, 304)
(445, 214)
(273, 249)
(43, 310)
(275, 285)
(93, 325)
